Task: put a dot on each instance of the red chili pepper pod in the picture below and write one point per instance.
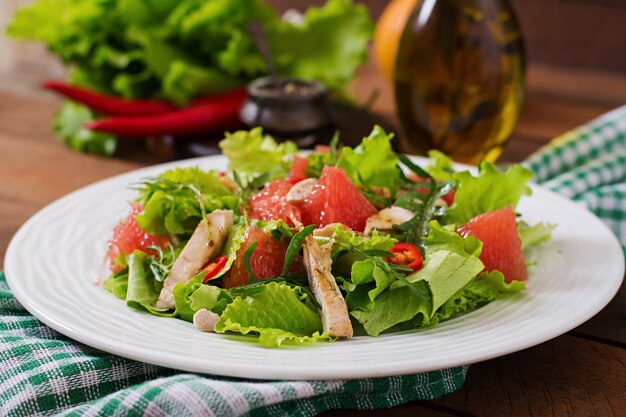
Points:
(114, 106)
(219, 114)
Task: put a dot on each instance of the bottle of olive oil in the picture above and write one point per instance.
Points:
(459, 78)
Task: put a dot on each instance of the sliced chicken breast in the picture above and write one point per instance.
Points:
(317, 261)
(198, 251)
(386, 218)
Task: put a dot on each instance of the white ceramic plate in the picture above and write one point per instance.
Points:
(53, 262)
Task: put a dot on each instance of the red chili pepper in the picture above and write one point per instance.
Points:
(406, 254)
(214, 267)
(110, 105)
(220, 114)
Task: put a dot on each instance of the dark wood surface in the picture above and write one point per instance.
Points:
(582, 373)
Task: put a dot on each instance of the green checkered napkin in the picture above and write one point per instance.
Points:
(43, 373)
(588, 165)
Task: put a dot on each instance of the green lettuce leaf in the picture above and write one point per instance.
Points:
(143, 290)
(440, 166)
(440, 238)
(489, 191)
(373, 162)
(348, 245)
(68, 125)
(253, 152)
(117, 284)
(496, 279)
(363, 297)
(392, 307)
(194, 296)
(327, 46)
(533, 236)
(171, 202)
(446, 273)
(278, 314)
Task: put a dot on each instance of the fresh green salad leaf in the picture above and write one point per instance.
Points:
(349, 247)
(194, 296)
(172, 204)
(490, 190)
(446, 273)
(68, 124)
(117, 284)
(440, 166)
(533, 236)
(373, 162)
(278, 314)
(365, 272)
(178, 50)
(143, 289)
(251, 152)
(440, 238)
(496, 280)
(392, 307)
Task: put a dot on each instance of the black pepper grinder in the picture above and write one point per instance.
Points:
(287, 108)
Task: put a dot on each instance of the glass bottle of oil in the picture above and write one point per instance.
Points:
(459, 78)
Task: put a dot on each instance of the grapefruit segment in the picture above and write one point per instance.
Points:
(128, 237)
(267, 259)
(270, 203)
(502, 247)
(335, 199)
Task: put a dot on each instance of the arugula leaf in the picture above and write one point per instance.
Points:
(294, 247)
(246, 262)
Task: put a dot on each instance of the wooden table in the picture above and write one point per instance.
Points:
(581, 373)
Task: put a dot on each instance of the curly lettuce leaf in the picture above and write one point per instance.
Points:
(278, 314)
(194, 295)
(533, 236)
(329, 44)
(446, 273)
(362, 296)
(251, 152)
(392, 307)
(143, 290)
(373, 162)
(171, 202)
(490, 190)
(348, 247)
(68, 125)
(440, 238)
(440, 166)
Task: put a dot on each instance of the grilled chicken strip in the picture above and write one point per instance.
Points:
(199, 250)
(386, 218)
(317, 261)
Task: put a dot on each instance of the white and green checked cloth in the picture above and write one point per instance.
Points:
(42, 373)
(588, 165)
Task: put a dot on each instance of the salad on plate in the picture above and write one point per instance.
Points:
(294, 249)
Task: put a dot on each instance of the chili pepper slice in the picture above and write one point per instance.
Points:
(406, 254)
(220, 114)
(214, 267)
(114, 106)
